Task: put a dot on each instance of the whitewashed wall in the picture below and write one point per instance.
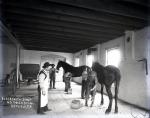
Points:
(8, 57)
(34, 57)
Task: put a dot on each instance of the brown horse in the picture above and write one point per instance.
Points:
(106, 77)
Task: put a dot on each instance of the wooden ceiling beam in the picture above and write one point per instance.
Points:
(43, 48)
(55, 36)
(144, 3)
(45, 16)
(60, 33)
(55, 49)
(83, 13)
(56, 44)
(111, 7)
(109, 33)
(74, 25)
(82, 29)
(53, 40)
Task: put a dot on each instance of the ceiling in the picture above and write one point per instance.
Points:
(71, 25)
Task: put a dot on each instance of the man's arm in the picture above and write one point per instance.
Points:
(94, 88)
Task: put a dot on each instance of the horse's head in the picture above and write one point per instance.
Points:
(95, 65)
(59, 64)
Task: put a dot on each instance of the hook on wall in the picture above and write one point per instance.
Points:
(145, 61)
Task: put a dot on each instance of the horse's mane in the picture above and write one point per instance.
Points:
(97, 67)
(66, 63)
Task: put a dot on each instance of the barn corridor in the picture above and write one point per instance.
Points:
(77, 33)
(60, 103)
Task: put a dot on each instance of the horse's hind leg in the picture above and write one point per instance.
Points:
(116, 96)
(110, 99)
(102, 99)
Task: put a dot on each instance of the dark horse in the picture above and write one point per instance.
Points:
(76, 71)
(107, 76)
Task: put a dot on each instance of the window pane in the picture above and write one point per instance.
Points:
(77, 62)
(113, 57)
(89, 60)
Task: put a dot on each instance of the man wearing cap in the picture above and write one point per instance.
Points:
(43, 86)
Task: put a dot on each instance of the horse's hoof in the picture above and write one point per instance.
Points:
(116, 112)
(86, 105)
(107, 111)
(91, 105)
(116, 109)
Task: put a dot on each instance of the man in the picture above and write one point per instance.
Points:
(67, 79)
(91, 87)
(43, 86)
(84, 82)
(52, 76)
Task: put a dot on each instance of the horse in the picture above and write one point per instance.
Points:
(76, 71)
(106, 77)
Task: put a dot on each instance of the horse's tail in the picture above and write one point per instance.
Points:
(117, 82)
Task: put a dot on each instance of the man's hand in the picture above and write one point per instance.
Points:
(93, 89)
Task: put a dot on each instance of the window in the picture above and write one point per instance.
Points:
(89, 60)
(77, 61)
(113, 57)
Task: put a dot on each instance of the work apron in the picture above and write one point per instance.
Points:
(43, 98)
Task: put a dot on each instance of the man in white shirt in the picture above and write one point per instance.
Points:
(43, 86)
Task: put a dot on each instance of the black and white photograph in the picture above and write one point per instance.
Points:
(75, 58)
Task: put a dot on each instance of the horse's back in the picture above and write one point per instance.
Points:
(77, 71)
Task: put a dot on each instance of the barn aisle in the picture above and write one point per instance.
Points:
(60, 103)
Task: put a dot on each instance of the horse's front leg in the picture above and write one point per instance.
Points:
(110, 100)
(102, 99)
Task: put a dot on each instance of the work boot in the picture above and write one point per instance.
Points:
(41, 111)
(47, 109)
(54, 88)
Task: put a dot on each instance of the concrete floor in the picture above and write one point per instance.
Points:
(60, 103)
